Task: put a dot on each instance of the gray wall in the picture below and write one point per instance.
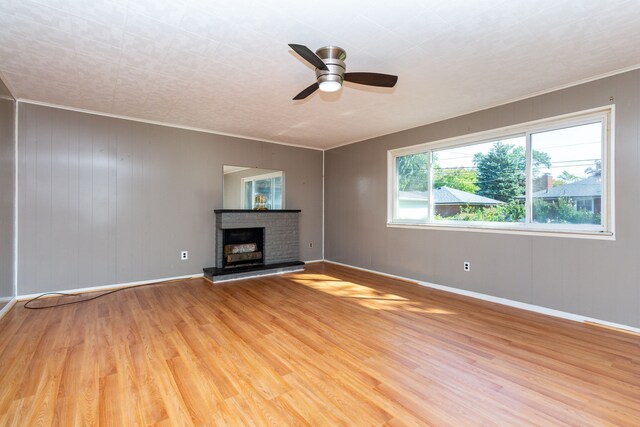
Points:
(7, 193)
(600, 279)
(104, 200)
(232, 195)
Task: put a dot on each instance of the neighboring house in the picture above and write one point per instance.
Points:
(447, 202)
(586, 193)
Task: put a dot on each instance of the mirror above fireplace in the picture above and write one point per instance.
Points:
(252, 188)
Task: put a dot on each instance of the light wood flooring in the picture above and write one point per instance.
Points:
(330, 346)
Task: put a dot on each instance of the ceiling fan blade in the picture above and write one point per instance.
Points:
(372, 79)
(306, 92)
(309, 56)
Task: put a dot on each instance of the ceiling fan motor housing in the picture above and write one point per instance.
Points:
(333, 57)
(331, 71)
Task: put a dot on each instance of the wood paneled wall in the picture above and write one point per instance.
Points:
(105, 200)
(7, 193)
(599, 279)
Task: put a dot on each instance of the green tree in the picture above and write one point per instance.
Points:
(538, 159)
(412, 172)
(500, 172)
(562, 211)
(505, 212)
(463, 179)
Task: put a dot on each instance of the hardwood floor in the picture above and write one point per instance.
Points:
(330, 346)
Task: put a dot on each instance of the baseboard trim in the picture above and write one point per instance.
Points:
(114, 286)
(7, 307)
(504, 301)
(314, 261)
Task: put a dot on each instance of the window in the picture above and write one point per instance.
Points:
(568, 186)
(413, 187)
(480, 182)
(551, 175)
(262, 191)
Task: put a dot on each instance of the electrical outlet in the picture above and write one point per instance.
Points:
(310, 244)
(184, 255)
(467, 266)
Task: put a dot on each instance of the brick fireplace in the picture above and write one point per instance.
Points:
(279, 246)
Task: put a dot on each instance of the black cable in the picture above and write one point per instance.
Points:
(26, 305)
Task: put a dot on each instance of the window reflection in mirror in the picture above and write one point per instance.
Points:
(252, 188)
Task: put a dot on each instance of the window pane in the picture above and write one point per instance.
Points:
(248, 195)
(413, 187)
(262, 193)
(276, 188)
(567, 175)
(481, 182)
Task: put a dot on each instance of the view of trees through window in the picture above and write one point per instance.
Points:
(569, 190)
(487, 181)
(413, 186)
(489, 177)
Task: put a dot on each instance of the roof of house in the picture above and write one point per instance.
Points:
(449, 196)
(588, 187)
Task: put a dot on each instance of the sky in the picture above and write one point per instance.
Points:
(572, 149)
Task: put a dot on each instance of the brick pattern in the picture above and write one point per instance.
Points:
(281, 235)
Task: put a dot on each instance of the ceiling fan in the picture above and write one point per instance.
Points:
(331, 71)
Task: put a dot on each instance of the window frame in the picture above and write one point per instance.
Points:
(604, 115)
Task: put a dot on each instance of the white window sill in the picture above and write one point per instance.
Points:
(501, 229)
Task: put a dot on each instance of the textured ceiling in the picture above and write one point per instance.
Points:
(225, 66)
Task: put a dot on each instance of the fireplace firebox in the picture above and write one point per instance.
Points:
(242, 247)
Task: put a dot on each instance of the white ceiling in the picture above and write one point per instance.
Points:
(225, 66)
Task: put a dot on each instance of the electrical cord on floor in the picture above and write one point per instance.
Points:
(27, 306)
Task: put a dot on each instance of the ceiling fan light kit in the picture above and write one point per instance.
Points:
(330, 80)
(331, 71)
(330, 86)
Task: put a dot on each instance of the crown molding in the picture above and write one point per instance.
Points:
(490, 106)
(154, 122)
